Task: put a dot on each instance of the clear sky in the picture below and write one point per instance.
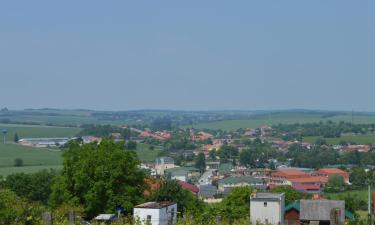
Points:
(121, 55)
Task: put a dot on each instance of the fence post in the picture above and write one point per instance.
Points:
(71, 217)
(47, 217)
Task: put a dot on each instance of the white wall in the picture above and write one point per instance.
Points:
(158, 216)
(273, 212)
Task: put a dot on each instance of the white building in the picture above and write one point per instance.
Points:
(156, 213)
(163, 163)
(267, 208)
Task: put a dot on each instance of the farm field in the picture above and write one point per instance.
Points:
(33, 158)
(32, 131)
(276, 119)
(359, 139)
(145, 154)
(5, 171)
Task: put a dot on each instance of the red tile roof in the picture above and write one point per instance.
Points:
(188, 186)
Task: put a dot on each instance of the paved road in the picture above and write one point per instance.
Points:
(206, 177)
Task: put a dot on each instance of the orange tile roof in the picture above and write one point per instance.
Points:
(289, 173)
(311, 179)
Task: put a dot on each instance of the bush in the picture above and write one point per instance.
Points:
(18, 162)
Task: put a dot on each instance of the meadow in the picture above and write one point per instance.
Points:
(288, 118)
(145, 154)
(35, 131)
(359, 139)
(34, 159)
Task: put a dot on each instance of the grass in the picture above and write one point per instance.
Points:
(289, 118)
(5, 171)
(359, 139)
(31, 131)
(145, 154)
(34, 159)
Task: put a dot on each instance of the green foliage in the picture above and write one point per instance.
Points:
(100, 178)
(335, 183)
(291, 194)
(34, 187)
(171, 190)
(16, 138)
(15, 210)
(226, 153)
(18, 162)
(131, 145)
(200, 162)
(358, 177)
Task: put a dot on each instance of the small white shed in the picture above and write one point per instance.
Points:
(156, 213)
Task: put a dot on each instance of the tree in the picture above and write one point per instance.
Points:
(171, 190)
(236, 204)
(34, 187)
(335, 183)
(200, 162)
(16, 138)
(99, 177)
(291, 194)
(131, 145)
(15, 210)
(212, 154)
(358, 177)
(18, 162)
(226, 153)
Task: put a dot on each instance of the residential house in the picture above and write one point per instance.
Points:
(182, 173)
(156, 213)
(225, 169)
(207, 193)
(283, 177)
(292, 212)
(163, 163)
(267, 208)
(225, 185)
(322, 212)
(327, 172)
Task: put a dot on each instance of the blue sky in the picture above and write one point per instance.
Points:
(120, 55)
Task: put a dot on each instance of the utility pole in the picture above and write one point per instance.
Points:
(4, 134)
(369, 205)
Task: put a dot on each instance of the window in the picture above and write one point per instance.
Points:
(149, 218)
(265, 204)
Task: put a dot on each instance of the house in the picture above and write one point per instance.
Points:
(190, 187)
(358, 148)
(156, 213)
(320, 212)
(163, 163)
(283, 177)
(207, 193)
(182, 173)
(226, 184)
(225, 169)
(267, 208)
(327, 172)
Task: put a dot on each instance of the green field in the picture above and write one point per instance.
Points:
(359, 139)
(34, 159)
(145, 154)
(31, 131)
(289, 118)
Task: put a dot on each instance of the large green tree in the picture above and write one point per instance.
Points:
(100, 177)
